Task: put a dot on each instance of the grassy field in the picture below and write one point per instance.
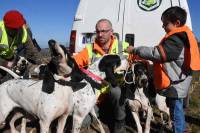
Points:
(193, 111)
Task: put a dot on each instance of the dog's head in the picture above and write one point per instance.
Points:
(56, 69)
(141, 75)
(60, 63)
(20, 66)
(105, 67)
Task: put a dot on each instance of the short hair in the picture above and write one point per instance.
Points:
(175, 13)
(104, 19)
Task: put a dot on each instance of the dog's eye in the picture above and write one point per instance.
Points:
(60, 56)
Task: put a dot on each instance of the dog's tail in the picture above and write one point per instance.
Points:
(15, 76)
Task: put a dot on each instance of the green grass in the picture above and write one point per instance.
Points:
(193, 111)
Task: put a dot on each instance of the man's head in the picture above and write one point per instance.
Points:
(104, 31)
(173, 17)
(13, 21)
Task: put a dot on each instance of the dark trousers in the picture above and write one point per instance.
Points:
(111, 111)
(117, 105)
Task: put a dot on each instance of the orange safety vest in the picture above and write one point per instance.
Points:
(191, 59)
(84, 57)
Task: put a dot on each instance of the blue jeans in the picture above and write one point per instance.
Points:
(177, 114)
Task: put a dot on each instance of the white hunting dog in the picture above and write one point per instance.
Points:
(44, 99)
(85, 98)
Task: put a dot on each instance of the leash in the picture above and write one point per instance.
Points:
(34, 83)
(90, 74)
(127, 72)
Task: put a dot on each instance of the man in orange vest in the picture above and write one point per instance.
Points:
(174, 59)
(106, 43)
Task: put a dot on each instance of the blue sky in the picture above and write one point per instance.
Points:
(52, 19)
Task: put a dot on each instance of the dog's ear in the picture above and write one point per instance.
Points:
(31, 61)
(107, 64)
(48, 84)
(110, 77)
(41, 71)
(109, 61)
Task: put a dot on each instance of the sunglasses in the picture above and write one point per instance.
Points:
(103, 31)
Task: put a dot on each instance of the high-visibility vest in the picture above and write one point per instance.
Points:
(9, 50)
(191, 59)
(116, 48)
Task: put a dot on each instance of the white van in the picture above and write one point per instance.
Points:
(135, 21)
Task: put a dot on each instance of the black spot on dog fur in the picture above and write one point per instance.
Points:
(107, 65)
(48, 84)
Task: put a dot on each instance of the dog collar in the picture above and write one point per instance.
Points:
(90, 74)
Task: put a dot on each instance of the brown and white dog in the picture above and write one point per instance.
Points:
(140, 101)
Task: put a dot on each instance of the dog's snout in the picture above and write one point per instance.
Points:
(23, 62)
(51, 42)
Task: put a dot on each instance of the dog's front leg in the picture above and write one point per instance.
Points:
(12, 122)
(100, 125)
(77, 122)
(23, 126)
(148, 120)
(61, 123)
(137, 121)
(44, 126)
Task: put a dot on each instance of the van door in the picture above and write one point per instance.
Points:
(142, 19)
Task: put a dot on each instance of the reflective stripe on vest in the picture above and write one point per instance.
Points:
(117, 48)
(9, 51)
(191, 57)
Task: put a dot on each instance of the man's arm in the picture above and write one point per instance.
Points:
(82, 58)
(31, 52)
(169, 50)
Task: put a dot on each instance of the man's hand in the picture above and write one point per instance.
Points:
(129, 49)
(3, 47)
(9, 64)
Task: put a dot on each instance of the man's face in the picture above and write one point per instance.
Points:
(103, 32)
(169, 26)
(12, 32)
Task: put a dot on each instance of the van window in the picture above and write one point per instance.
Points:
(116, 35)
(130, 38)
(88, 38)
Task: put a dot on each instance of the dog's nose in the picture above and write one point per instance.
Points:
(52, 42)
(23, 62)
